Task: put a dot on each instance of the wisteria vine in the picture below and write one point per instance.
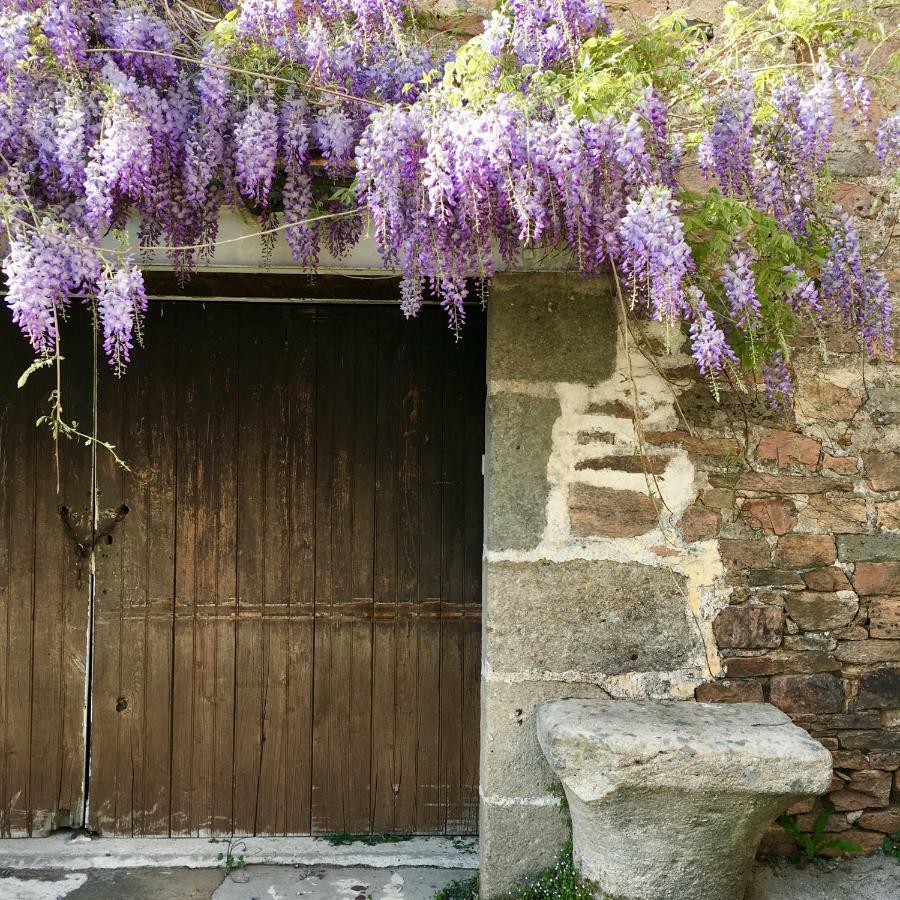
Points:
(552, 128)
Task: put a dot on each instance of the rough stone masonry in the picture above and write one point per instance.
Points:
(723, 554)
(728, 554)
(583, 596)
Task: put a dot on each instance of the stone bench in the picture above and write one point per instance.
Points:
(669, 799)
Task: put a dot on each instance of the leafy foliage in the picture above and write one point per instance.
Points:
(232, 858)
(128, 126)
(811, 847)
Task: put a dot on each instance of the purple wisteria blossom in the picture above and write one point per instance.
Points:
(336, 133)
(631, 152)
(794, 149)
(726, 151)
(66, 27)
(709, 346)
(207, 165)
(374, 17)
(131, 28)
(44, 268)
(778, 383)
(294, 136)
(543, 32)
(262, 18)
(13, 38)
(496, 36)
(887, 142)
(852, 89)
(666, 154)
(815, 117)
(655, 254)
(256, 147)
(857, 292)
(740, 289)
(121, 304)
(71, 138)
(120, 162)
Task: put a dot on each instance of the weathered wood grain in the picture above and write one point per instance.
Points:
(287, 629)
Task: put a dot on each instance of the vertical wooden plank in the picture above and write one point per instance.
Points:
(428, 766)
(17, 566)
(325, 769)
(475, 394)
(61, 594)
(205, 591)
(452, 584)
(412, 354)
(107, 764)
(260, 414)
(338, 676)
(273, 399)
(385, 619)
(345, 513)
(155, 523)
(301, 476)
(362, 513)
(130, 732)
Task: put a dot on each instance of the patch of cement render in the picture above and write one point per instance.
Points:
(700, 563)
(676, 684)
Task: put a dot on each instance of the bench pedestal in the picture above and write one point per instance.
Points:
(669, 800)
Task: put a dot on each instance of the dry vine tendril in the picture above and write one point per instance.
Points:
(550, 129)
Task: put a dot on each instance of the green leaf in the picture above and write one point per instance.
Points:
(820, 823)
(790, 826)
(842, 845)
(37, 364)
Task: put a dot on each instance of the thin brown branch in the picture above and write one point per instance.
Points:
(334, 92)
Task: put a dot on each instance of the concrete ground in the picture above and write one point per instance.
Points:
(876, 878)
(870, 878)
(253, 883)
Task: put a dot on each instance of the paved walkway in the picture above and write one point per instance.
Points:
(254, 883)
(876, 878)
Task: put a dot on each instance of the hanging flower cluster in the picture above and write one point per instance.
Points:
(550, 129)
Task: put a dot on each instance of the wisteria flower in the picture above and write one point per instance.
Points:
(121, 304)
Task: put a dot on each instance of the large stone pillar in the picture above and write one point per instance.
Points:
(577, 600)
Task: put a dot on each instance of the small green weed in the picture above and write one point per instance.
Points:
(231, 860)
(811, 847)
(558, 791)
(464, 843)
(371, 840)
(559, 882)
(891, 845)
(459, 890)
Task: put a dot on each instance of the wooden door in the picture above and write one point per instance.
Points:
(288, 581)
(45, 541)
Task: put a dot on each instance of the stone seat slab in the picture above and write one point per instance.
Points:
(669, 799)
(744, 745)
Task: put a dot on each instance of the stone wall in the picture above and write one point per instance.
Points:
(718, 552)
(583, 594)
(807, 523)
